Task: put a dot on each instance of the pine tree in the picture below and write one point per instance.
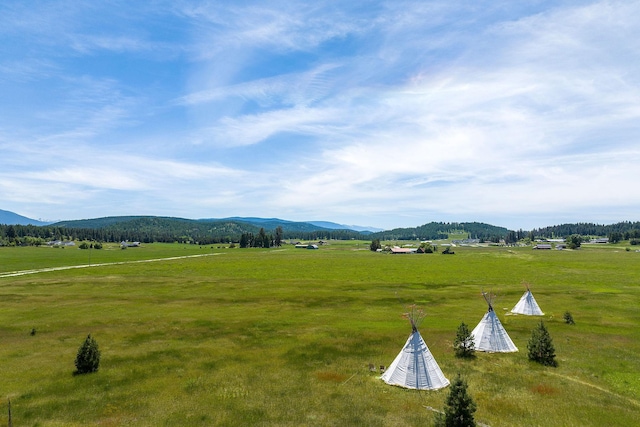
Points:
(540, 346)
(459, 406)
(463, 344)
(278, 239)
(88, 357)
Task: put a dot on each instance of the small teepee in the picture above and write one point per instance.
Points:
(527, 305)
(415, 367)
(490, 335)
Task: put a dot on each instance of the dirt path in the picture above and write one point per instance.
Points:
(71, 267)
(604, 390)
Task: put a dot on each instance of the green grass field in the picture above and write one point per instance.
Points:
(285, 336)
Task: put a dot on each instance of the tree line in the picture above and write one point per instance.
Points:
(262, 239)
(164, 230)
(170, 230)
(626, 229)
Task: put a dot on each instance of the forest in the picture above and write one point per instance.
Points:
(204, 232)
(156, 229)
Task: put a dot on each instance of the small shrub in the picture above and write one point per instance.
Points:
(568, 318)
(541, 348)
(463, 344)
(88, 357)
(459, 407)
(84, 245)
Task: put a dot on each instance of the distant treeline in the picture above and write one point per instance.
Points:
(627, 230)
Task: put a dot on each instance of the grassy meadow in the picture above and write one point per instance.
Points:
(237, 337)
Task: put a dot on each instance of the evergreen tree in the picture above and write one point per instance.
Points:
(262, 241)
(459, 407)
(88, 357)
(278, 240)
(540, 346)
(463, 344)
(375, 245)
(574, 241)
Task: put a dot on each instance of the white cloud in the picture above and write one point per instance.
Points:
(399, 111)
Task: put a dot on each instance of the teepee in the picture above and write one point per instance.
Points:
(490, 335)
(527, 305)
(415, 367)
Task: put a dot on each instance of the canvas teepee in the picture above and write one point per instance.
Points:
(490, 335)
(415, 367)
(527, 305)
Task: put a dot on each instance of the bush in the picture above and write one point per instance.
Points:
(574, 241)
(88, 357)
(540, 346)
(463, 344)
(84, 245)
(459, 407)
(568, 318)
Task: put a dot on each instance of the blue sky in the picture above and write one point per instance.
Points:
(379, 113)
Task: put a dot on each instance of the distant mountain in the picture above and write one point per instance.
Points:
(270, 223)
(335, 226)
(306, 226)
(109, 221)
(10, 218)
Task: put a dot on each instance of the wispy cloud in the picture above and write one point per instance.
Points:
(401, 112)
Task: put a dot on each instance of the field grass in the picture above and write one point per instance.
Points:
(285, 336)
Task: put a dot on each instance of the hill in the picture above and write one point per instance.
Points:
(272, 223)
(203, 231)
(441, 230)
(11, 218)
(236, 224)
(334, 226)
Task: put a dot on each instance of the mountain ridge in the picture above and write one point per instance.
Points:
(12, 218)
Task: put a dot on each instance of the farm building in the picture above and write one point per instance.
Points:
(542, 246)
(305, 246)
(398, 250)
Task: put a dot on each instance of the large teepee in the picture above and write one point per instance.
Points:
(490, 335)
(527, 305)
(415, 367)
